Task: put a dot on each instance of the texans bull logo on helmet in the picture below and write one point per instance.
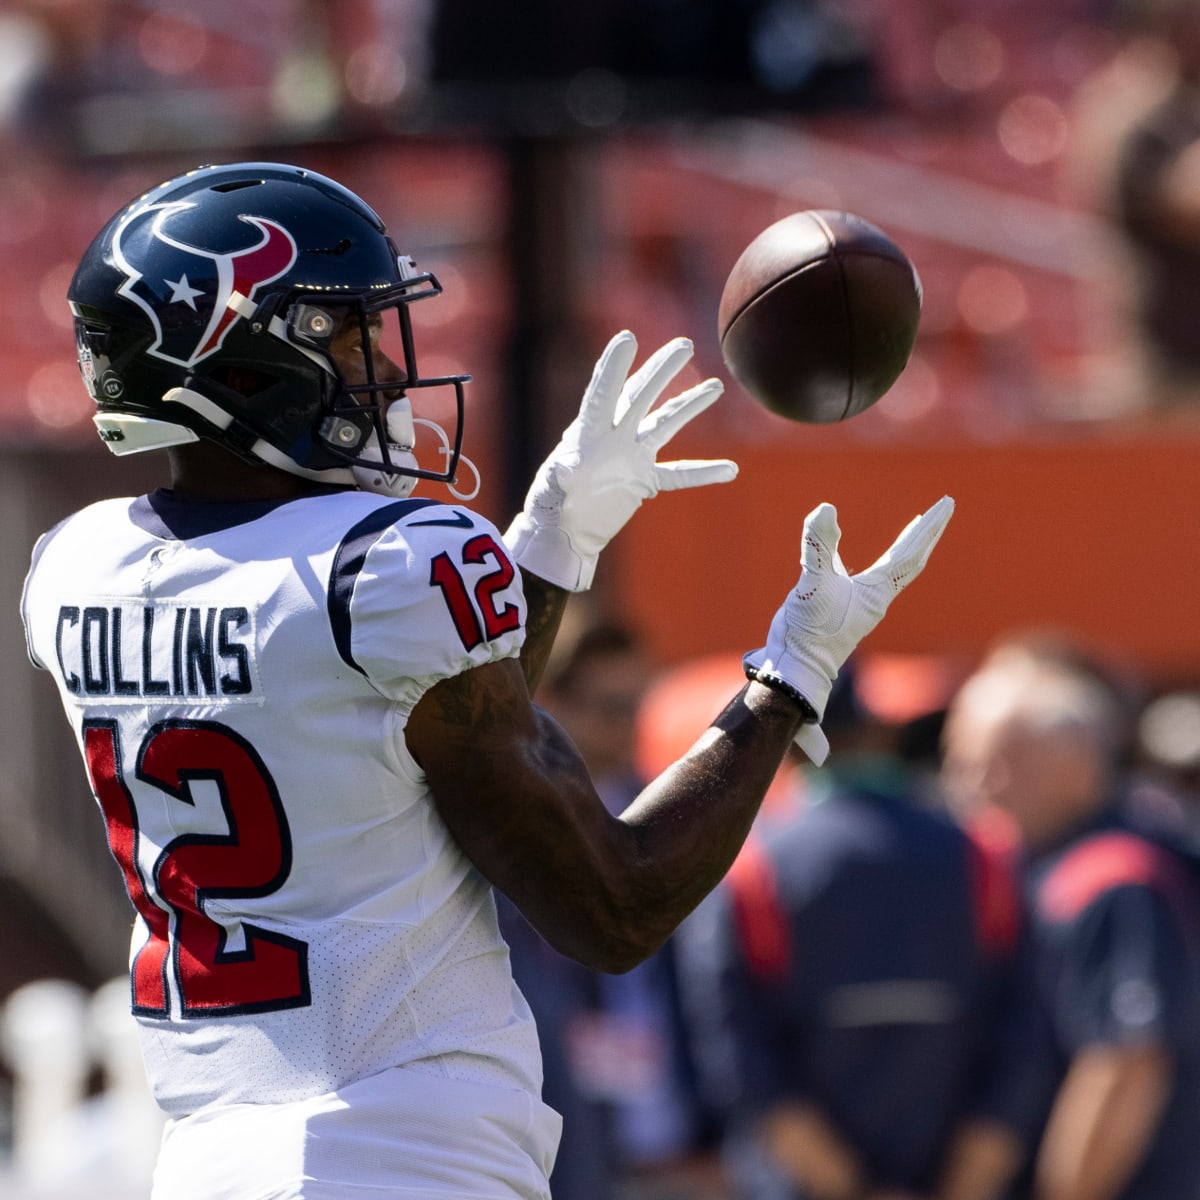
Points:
(206, 279)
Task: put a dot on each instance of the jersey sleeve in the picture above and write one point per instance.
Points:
(423, 597)
(29, 600)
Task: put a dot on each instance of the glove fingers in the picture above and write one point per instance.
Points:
(909, 553)
(651, 378)
(599, 407)
(821, 536)
(693, 472)
(660, 426)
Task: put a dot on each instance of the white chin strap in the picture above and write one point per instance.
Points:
(262, 450)
(128, 435)
(445, 451)
(401, 438)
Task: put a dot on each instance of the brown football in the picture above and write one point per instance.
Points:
(819, 315)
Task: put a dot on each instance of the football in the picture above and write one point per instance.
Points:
(819, 315)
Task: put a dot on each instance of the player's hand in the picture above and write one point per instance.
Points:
(829, 611)
(606, 463)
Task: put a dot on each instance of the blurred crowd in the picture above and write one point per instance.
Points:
(1033, 155)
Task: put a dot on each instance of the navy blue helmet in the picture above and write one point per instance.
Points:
(205, 308)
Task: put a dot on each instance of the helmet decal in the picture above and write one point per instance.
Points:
(225, 274)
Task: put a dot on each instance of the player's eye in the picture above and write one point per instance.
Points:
(348, 338)
(374, 331)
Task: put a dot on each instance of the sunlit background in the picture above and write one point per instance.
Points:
(568, 170)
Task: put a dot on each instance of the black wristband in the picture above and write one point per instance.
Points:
(810, 714)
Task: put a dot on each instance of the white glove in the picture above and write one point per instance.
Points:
(829, 612)
(606, 464)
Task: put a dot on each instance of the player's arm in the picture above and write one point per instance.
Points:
(516, 795)
(609, 890)
(545, 604)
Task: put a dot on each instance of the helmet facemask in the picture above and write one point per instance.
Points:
(368, 424)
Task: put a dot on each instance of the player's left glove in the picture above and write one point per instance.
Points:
(829, 612)
(606, 463)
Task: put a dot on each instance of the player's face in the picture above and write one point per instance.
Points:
(348, 352)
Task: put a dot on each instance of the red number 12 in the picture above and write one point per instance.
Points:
(252, 859)
(445, 575)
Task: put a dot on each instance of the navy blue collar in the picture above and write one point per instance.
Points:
(162, 514)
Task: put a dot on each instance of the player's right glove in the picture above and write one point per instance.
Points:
(829, 612)
(606, 463)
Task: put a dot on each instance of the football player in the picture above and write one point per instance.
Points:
(302, 697)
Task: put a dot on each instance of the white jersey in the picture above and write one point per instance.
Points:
(239, 678)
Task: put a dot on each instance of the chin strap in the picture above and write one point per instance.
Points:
(124, 434)
(260, 449)
(401, 438)
(445, 451)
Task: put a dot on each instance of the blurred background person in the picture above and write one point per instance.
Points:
(1037, 738)
(1168, 759)
(1134, 159)
(72, 52)
(849, 976)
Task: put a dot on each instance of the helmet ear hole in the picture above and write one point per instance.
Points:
(312, 324)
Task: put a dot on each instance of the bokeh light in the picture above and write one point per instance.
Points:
(992, 300)
(57, 398)
(52, 295)
(968, 57)
(376, 74)
(172, 43)
(1033, 129)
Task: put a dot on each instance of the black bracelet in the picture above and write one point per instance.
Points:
(810, 714)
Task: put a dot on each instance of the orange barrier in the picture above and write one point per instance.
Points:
(1095, 531)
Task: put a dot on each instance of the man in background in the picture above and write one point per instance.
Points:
(1034, 738)
(859, 961)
